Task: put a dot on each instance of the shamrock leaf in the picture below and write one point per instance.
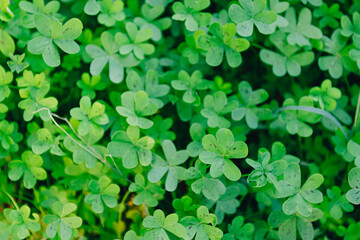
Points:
(45, 141)
(136, 44)
(264, 170)
(219, 151)
(160, 130)
(149, 84)
(190, 84)
(190, 12)
(202, 226)
(337, 203)
(102, 192)
(63, 222)
(300, 197)
(151, 22)
(131, 235)
(351, 28)
(353, 195)
(101, 58)
(131, 148)
(91, 117)
(9, 137)
(161, 225)
(239, 230)
(185, 206)
(248, 101)
(316, 3)
(111, 11)
(251, 13)
(148, 194)
(326, 95)
(289, 60)
(29, 167)
(279, 7)
(16, 63)
(329, 15)
(197, 132)
(37, 6)
(21, 223)
(333, 63)
(299, 33)
(136, 106)
(30, 82)
(53, 32)
(228, 202)
(170, 166)
(215, 106)
(222, 40)
(189, 49)
(5, 80)
(211, 188)
(90, 84)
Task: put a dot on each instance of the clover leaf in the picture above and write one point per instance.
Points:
(21, 223)
(30, 82)
(299, 33)
(215, 106)
(353, 195)
(111, 11)
(90, 84)
(279, 7)
(337, 203)
(147, 193)
(251, 13)
(190, 12)
(5, 79)
(161, 225)
(185, 206)
(160, 130)
(53, 32)
(316, 3)
(190, 84)
(9, 137)
(37, 6)
(222, 40)
(45, 141)
(16, 63)
(219, 151)
(289, 60)
(202, 226)
(150, 20)
(239, 230)
(248, 101)
(102, 192)
(149, 84)
(326, 95)
(197, 132)
(329, 15)
(136, 106)
(29, 167)
(101, 58)
(264, 170)
(211, 188)
(300, 197)
(63, 222)
(170, 166)
(7, 45)
(135, 43)
(91, 117)
(189, 49)
(351, 28)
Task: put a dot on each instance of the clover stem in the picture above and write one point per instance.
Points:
(12, 199)
(357, 113)
(245, 175)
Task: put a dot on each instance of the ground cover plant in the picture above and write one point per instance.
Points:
(179, 119)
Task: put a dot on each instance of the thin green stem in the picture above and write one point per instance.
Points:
(12, 199)
(357, 113)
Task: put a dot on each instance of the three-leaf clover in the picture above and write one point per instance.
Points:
(29, 167)
(9, 137)
(91, 117)
(190, 12)
(89, 84)
(300, 197)
(101, 58)
(289, 60)
(251, 13)
(21, 222)
(170, 166)
(202, 226)
(161, 225)
(197, 132)
(326, 95)
(219, 151)
(351, 28)
(45, 141)
(337, 203)
(299, 33)
(53, 32)
(248, 101)
(136, 106)
(150, 85)
(131, 148)
(111, 11)
(190, 84)
(38, 6)
(147, 193)
(329, 15)
(353, 195)
(238, 230)
(63, 222)
(223, 41)
(5, 79)
(102, 192)
(161, 129)
(215, 106)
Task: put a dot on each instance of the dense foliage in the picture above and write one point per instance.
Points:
(179, 119)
